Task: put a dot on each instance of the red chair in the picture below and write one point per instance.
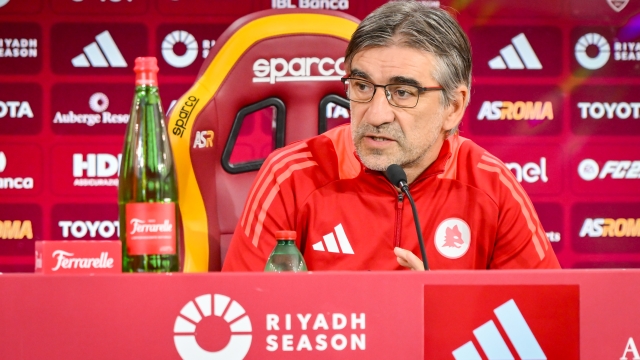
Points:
(266, 83)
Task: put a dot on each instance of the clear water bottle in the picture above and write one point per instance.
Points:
(285, 256)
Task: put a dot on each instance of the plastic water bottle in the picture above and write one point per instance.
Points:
(285, 256)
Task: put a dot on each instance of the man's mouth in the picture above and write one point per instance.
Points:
(378, 138)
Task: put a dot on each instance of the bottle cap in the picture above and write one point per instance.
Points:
(285, 235)
(146, 69)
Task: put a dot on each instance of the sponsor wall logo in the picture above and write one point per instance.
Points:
(503, 110)
(15, 109)
(20, 169)
(13, 182)
(605, 170)
(519, 110)
(103, 7)
(330, 241)
(530, 172)
(617, 5)
(20, 225)
(598, 110)
(80, 229)
(537, 169)
(606, 228)
(607, 50)
(515, 50)
(204, 139)
(101, 53)
(516, 56)
(610, 227)
(605, 10)
(96, 169)
(603, 51)
(605, 110)
(508, 323)
(589, 169)
(85, 222)
(101, 49)
(298, 69)
(90, 109)
(16, 229)
(20, 108)
(230, 9)
(183, 48)
(312, 4)
(551, 217)
(19, 48)
(90, 169)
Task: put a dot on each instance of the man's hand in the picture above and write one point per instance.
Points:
(408, 259)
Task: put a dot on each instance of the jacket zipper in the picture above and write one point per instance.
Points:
(399, 206)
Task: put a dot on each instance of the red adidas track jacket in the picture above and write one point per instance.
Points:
(473, 212)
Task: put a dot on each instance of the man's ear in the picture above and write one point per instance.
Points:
(453, 113)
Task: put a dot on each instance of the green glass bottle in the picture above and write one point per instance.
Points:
(147, 190)
(285, 256)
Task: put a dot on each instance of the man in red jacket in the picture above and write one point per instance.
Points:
(408, 80)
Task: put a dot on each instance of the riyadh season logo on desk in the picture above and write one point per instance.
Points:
(216, 326)
(194, 312)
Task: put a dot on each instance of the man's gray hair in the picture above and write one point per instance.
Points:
(416, 25)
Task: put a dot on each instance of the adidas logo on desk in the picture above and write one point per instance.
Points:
(332, 245)
(492, 343)
(516, 56)
(101, 53)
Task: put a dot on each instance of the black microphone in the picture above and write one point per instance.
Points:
(397, 177)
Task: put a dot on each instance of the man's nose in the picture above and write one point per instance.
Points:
(380, 111)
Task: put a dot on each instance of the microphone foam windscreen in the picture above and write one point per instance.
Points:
(396, 174)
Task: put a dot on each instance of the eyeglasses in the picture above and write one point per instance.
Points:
(398, 95)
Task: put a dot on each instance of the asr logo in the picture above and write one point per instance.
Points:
(608, 227)
(519, 110)
(204, 139)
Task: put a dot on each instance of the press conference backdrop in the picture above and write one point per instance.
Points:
(555, 95)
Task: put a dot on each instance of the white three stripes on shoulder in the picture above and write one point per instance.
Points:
(330, 241)
(268, 183)
(507, 179)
